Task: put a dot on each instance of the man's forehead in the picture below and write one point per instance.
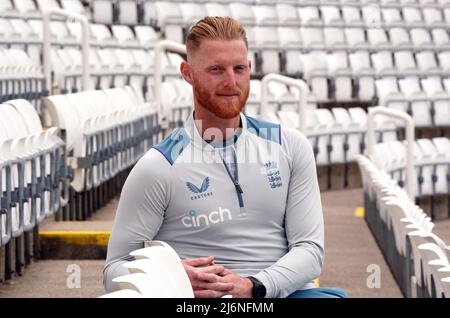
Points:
(221, 51)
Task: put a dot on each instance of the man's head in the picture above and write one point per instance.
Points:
(217, 66)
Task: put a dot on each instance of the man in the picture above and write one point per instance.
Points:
(236, 197)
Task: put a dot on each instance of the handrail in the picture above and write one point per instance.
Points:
(302, 103)
(160, 48)
(409, 126)
(85, 42)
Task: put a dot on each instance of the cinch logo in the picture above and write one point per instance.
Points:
(201, 192)
(193, 219)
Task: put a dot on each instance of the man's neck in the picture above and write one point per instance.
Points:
(207, 123)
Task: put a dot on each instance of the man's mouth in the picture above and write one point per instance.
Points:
(228, 96)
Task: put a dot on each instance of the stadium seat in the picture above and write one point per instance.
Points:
(73, 6)
(127, 12)
(102, 11)
(27, 8)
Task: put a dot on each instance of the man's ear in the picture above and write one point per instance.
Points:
(185, 69)
(249, 65)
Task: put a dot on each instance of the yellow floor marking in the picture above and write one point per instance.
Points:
(77, 237)
(359, 212)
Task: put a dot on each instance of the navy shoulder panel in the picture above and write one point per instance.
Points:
(173, 145)
(264, 129)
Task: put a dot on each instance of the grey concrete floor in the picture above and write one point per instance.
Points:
(350, 249)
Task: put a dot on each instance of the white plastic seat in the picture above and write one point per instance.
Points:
(383, 64)
(149, 286)
(265, 15)
(45, 5)
(331, 15)
(124, 36)
(399, 37)
(389, 94)
(432, 86)
(312, 37)
(167, 16)
(315, 71)
(102, 11)
(433, 16)
(371, 15)
(339, 70)
(405, 63)
(444, 61)
(427, 64)
(217, 9)
(128, 12)
(102, 34)
(192, 12)
(378, 38)
(146, 35)
(351, 15)
(356, 38)
(7, 9)
(289, 39)
(29, 36)
(392, 16)
(169, 259)
(309, 15)
(243, 13)
(73, 5)
(419, 103)
(421, 38)
(266, 40)
(442, 145)
(411, 15)
(364, 74)
(441, 38)
(26, 8)
(323, 127)
(123, 293)
(287, 15)
(334, 38)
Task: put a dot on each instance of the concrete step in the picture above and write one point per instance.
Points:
(78, 239)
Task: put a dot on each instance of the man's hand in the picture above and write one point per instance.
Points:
(242, 287)
(207, 278)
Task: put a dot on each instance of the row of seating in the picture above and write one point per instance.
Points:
(18, 32)
(36, 8)
(272, 12)
(418, 258)
(106, 132)
(20, 77)
(432, 159)
(69, 170)
(33, 175)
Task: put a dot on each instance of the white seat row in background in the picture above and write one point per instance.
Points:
(418, 258)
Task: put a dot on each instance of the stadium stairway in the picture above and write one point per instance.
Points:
(69, 248)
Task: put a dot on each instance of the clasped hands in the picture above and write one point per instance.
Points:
(209, 280)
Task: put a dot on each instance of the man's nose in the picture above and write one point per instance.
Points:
(229, 79)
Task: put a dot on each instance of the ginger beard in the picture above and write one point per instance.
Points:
(225, 108)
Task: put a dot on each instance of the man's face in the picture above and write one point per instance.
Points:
(220, 76)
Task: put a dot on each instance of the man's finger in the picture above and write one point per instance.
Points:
(208, 294)
(213, 286)
(201, 261)
(207, 277)
(212, 269)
